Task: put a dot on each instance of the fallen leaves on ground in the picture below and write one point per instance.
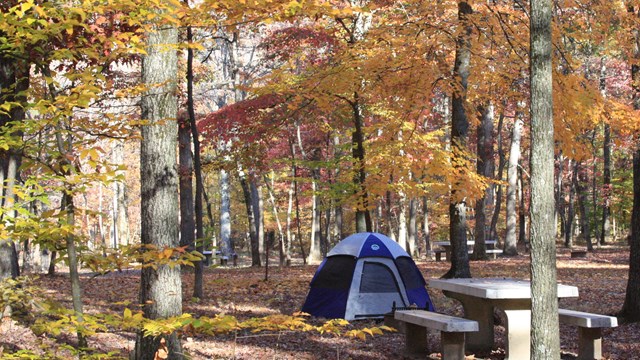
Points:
(242, 292)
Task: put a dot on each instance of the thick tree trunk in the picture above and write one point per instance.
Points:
(581, 189)
(510, 241)
(545, 337)
(631, 307)
(14, 80)
(160, 285)
(459, 134)
(484, 167)
(363, 216)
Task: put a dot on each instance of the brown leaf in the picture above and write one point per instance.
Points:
(163, 351)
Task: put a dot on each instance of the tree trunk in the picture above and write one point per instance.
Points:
(225, 214)
(120, 199)
(559, 209)
(631, 307)
(187, 219)
(253, 236)
(412, 229)
(14, 81)
(198, 281)
(276, 215)
(459, 134)
(402, 221)
(493, 231)
(570, 219)
(363, 216)
(581, 188)
(522, 213)
(510, 241)
(258, 213)
(160, 285)
(484, 167)
(425, 226)
(606, 186)
(545, 337)
(74, 276)
(315, 252)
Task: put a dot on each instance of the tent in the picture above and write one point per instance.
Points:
(362, 277)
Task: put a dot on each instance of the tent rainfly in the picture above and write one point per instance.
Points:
(362, 277)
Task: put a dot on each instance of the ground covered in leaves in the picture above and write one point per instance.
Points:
(242, 292)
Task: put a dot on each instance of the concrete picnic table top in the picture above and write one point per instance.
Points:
(495, 288)
(512, 296)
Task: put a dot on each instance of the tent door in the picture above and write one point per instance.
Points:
(376, 286)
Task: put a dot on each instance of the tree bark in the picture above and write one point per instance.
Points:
(249, 203)
(493, 230)
(510, 241)
(459, 134)
(545, 337)
(631, 307)
(412, 229)
(581, 189)
(484, 167)
(160, 285)
(606, 186)
(185, 172)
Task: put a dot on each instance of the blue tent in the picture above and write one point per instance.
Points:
(362, 277)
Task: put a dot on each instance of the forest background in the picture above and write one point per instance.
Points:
(301, 122)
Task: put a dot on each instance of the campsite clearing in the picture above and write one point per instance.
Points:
(601, 278)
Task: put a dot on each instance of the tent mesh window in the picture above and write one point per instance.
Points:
(409, 273)
(377, 278)
(336, 273)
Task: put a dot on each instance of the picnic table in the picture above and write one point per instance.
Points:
(446, 245)
(480, 296)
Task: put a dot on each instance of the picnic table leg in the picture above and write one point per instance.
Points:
(519, 334)
(481, 311)
(590, 343)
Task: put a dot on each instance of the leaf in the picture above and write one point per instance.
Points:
(163, 351)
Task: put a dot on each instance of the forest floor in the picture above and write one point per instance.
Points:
(242, 292)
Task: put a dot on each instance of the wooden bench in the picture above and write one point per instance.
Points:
(451, 329)
(589, 331)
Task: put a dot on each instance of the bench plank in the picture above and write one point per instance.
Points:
(451, 329)
(436, 321)
(587, 320)
(589, 331)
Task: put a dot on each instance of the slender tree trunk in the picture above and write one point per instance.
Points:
(412, 229)
(258, 213)
(425, 226)
(606, 186)
(498, 201)
(545, 337)
(522, 213)
(276, 216)
(560, 203)
(198, 281)
(225, 214)
(160, 285)
(74, 276)
(185, 172)
(297, 201)
(510, 242)
(402, 221)
(459, 134)
(581, 189)
(568, 227)
(121, 200)
(253, 236)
